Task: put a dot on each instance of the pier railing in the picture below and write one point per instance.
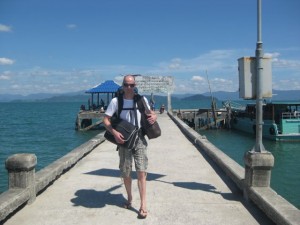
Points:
(273, 205)
(25, 183)
(290, 115)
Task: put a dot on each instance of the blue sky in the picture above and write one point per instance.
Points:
(58, 46)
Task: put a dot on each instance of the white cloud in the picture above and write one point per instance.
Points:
(15, 86)
(219, 54)
(215, 60)
(292, 83)
(6, 61)
(189, 74)
(282, 63)
(4, 28)
(198, 78)
(175, 64)
(220, 80)
(39, 79)
(4, 77)
(71, 26)
(273, 55)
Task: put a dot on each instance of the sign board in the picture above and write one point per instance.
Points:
(248, 74)
(155, 84)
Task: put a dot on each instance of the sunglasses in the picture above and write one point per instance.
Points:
(129, 85)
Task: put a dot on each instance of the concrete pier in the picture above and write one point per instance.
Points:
(185, 186)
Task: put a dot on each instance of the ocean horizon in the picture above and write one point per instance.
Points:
(77, 96)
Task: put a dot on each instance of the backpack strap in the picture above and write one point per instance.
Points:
(120, 104)
(143, 110)
(137, 99)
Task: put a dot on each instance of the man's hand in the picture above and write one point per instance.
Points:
(151, 117)
(118, 136)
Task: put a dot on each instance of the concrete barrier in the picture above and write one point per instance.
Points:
(21, 173)
(273, 205)
(25, 183)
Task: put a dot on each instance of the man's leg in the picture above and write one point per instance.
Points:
(125, 168)
(127, 183)
(142, 190)
(141, 164)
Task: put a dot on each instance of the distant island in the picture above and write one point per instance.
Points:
(195, 98)
(80, 96)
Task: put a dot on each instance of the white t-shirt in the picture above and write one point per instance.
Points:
(125, 114)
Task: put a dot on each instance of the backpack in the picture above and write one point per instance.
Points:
(128, 130)
(151, 130)
(137, 99)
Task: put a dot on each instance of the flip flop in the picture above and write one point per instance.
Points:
(128, 205)
(142, 214)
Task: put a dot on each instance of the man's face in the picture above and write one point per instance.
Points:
(128, 83)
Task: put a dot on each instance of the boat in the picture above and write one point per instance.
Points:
(281, 120)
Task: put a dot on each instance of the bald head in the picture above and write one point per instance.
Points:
(129, 79)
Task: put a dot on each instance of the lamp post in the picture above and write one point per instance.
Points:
(258, 161)
(259, 147)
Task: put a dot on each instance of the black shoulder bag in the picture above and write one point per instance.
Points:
(128, 130)
(151, 130)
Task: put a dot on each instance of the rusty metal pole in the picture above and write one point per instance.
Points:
(258, 161)
(259, 147)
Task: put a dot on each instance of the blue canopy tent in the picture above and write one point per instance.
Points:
(107, 87)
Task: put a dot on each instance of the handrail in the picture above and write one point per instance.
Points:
(273, 205)
(15, 197)
(290, 115)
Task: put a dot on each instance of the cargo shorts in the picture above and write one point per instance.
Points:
(139, 154)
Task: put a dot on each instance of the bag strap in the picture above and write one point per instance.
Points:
(136, 99)
(120, 104)
(135, 114)
(120, 107)
(143, 108)
(141, 104)
(146, 109)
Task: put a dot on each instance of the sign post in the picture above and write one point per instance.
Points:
(156, 84)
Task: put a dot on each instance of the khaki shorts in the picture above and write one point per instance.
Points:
(139, 154)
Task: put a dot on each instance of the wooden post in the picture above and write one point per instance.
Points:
(21, 173)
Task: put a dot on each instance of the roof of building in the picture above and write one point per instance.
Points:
(108, 86)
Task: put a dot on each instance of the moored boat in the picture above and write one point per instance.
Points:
(281, 120)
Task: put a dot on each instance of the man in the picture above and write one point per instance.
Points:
(139, 153)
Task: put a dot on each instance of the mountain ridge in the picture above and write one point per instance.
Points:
(291, 95)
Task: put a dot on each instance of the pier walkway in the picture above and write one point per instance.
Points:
(184, 187)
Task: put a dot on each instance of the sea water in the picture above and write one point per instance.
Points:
(285, 175)
(47, 129)
(44, 129)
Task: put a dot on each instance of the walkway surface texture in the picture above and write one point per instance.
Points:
(184, 187)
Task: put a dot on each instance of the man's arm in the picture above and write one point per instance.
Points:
(118, 136)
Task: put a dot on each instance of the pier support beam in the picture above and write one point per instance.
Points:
(21, 173)
(258, 166)
(169, 102)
